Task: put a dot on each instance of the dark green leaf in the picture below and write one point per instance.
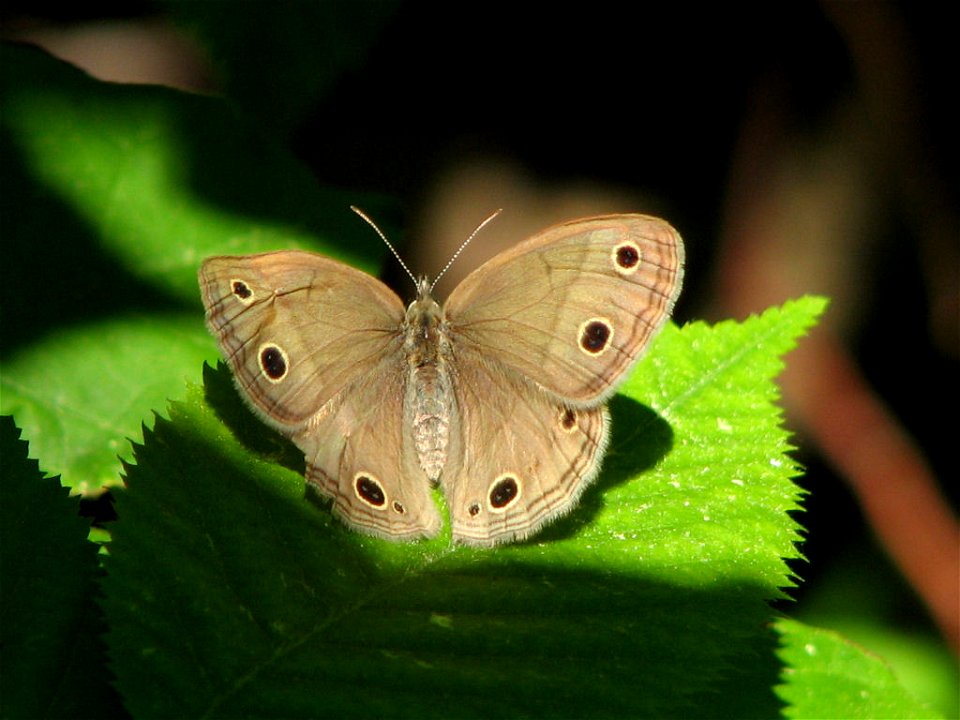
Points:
(301, 50)
(53, 662)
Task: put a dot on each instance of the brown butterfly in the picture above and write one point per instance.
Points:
(498, 395)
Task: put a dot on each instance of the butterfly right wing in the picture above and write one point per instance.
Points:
(520, 458)
(575, 306)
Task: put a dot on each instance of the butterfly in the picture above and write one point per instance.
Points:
(498, 395)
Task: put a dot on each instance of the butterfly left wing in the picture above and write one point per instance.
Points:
(573, 307)
(521, 457)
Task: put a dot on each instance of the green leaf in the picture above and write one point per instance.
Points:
(111, 196)
(53, 662)
(827, 676)
(860, 597)
(647, 601)
(161, 178)
(80, 394)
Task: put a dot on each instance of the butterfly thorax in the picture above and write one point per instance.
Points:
(429, 394)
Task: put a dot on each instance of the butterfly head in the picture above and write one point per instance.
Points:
(424, 311)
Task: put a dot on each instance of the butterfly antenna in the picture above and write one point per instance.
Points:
(383, 237)
(465, 243)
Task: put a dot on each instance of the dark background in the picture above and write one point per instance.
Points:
(694, 108)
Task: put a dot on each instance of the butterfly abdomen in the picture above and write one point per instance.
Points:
(428, 400)
(429, 394)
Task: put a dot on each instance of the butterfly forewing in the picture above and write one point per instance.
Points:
(575, 306)
(297, 328)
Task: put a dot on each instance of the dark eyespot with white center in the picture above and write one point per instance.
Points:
(474, 509)
(369, 490)
(274, 362)
(399, 508)
(568, 420)
(595, 336)
(626, 258)
(504, 491)
(241, 291)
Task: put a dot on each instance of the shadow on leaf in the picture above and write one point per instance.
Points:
(255, 604)
(639, 440)
(223, 397)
